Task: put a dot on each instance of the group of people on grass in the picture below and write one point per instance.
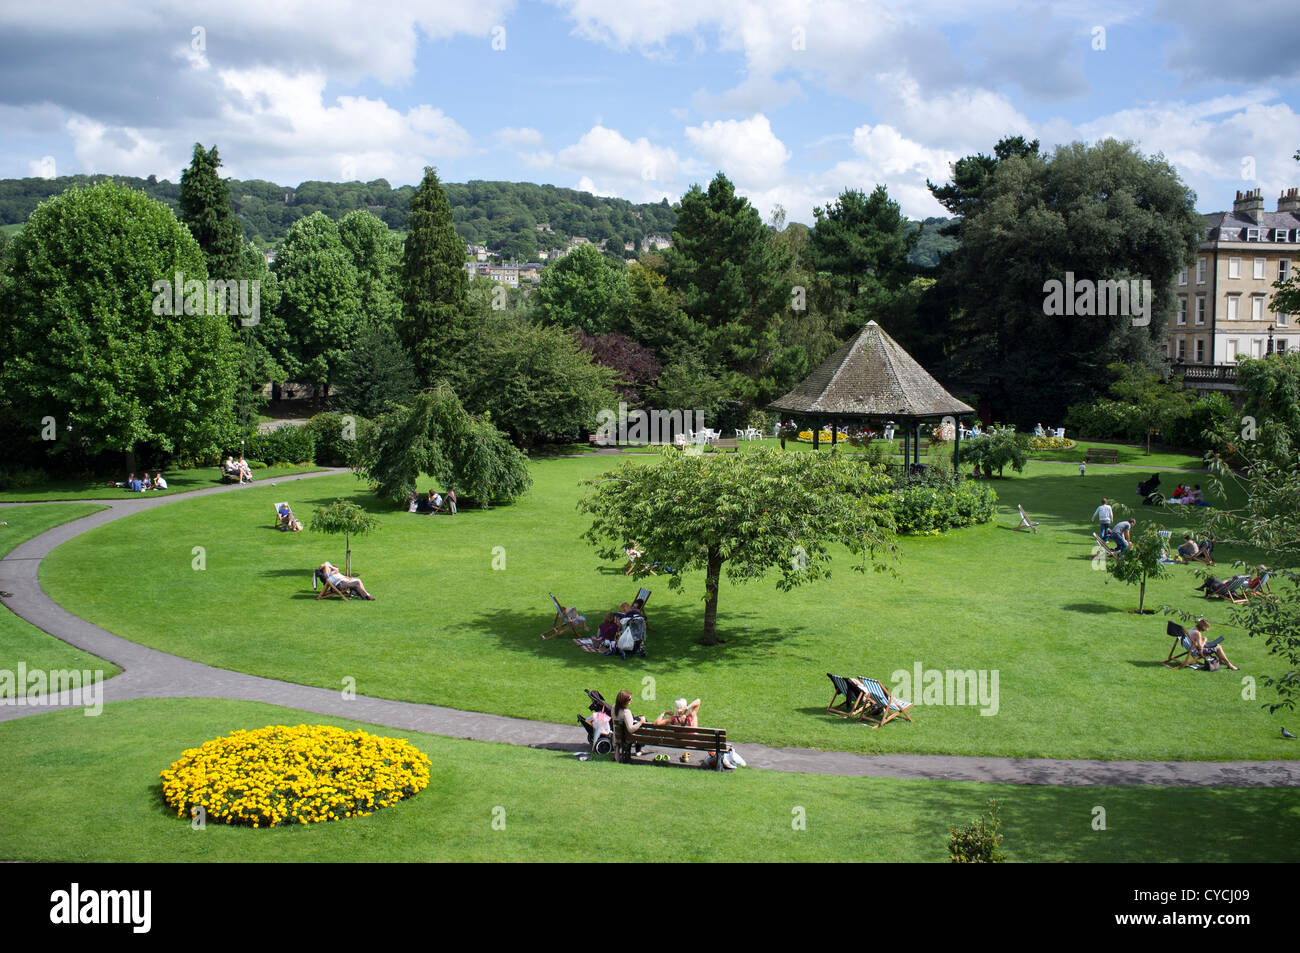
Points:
(145, 484)
(237, 469)
(1185, 496)
(432, 502)
(621, 632)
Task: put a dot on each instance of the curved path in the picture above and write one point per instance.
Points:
(149, 673)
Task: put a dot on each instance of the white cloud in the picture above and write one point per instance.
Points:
(606, 153)
(525, 137)
(746, 150)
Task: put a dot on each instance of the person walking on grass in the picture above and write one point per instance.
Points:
(1104, 515)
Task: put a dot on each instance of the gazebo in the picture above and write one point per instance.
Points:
(873, 379)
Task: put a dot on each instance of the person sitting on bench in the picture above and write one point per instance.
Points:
(331, 574)
(683, 715)
(622, 713)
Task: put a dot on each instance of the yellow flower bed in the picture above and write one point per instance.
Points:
(808, 435)
(1051, 443)
(301, 775)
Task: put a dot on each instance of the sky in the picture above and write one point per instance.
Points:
(795, 100)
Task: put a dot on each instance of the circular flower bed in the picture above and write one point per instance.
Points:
(302, 775)
(1051, 443)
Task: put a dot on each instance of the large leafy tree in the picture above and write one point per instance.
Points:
(376, 373)
(971, 175)
(1103, 212)
(319, 298)
(1155, 403)
(84, 343)
(434, 323)
(536, 382)
(1271, 399)
(585, 290)
(752, 513)
(636, 366)
(205, 210)
(733, 282)
(377, 256)
(438, 437)
(653, 316)
(862, 243)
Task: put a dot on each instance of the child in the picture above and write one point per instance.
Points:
(1083, 467)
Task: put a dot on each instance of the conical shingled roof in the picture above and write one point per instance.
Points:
(871, 376)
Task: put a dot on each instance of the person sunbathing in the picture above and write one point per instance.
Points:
(1215, 587)
(1188, 550)
(287, 520)
(331, 574)
(1201, 648)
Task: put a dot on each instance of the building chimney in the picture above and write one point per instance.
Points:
(1289, 201)
(1250, 202)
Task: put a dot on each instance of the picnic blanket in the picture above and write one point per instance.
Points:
(587, 645)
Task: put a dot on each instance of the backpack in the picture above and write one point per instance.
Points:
(1211, 663)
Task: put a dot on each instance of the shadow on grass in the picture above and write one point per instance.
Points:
(1092, 608)
(672, 645)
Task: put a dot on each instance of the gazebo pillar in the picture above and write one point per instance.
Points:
(835, 432)
(817, 435)
(956, 447)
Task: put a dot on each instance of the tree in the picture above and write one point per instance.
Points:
(997, 448)
(1140, 562)
(635, 365)
(1287, 298)
(1095, 214)
(584, 289)
(377, 256)
(92, 338)
(653, 316)
(319, 298)
(863, 244)
(1271, 401)
(964, 196)
(751, 512)
(205, 210)
(535, 382)
(732, 282)
(376, 372)
(343, 517)
(1155, 403)
(436, 436)
(433, 325)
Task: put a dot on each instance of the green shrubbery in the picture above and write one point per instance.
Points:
(941, 501)
(336, 437)
(287, 444)
(978, 842)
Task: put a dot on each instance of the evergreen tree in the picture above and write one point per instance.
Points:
(205, 209)
(434, 326)
(376, 373)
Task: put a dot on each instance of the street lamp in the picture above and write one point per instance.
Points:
(1270, 339)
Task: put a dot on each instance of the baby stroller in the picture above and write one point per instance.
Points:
(1149, 490)
(631, 637)
(599, 727)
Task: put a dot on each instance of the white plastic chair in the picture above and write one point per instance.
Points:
(1060, 432)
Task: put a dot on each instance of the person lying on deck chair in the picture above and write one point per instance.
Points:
(330, 573)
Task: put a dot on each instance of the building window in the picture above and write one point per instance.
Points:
(1182, 310)
(1200, 271)
(1182, 348)
(1283, 269)
(1200, 309)
(1259, 267)
(1232, 349)
(1280, 345)
(1281, 319)
(1182, 277)
(1200, 350)
(1252, 234)
(1234, 307)
(1234, 267)
(1257, 308)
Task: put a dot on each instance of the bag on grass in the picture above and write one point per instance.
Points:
(1212, 663)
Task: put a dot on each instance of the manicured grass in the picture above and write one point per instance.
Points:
(1079, 673)
(20, 641)
(87, 790)
(178, 481)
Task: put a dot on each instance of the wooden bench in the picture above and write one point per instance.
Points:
(1100, 455)
(725, 443)
(713, 740)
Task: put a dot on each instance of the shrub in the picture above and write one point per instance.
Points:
(335, 436)
(21, 478)
(287, 444)
(940, 501)
(978, 842)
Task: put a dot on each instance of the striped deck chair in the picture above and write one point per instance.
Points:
(644, 595)
(1260, 587)
(1181, 641)
(565, 618)
(1233, 590)
(1025, 521)
(884, 705)
(1165, 536)
(328, 590)
(855, 697)
(1110, 553)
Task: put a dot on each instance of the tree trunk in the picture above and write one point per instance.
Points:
(130, 459)
(711, 579)
(1142, 594)
(347, 555)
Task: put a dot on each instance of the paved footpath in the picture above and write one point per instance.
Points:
(148, 673)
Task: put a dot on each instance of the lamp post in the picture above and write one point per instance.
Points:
(1270, 339)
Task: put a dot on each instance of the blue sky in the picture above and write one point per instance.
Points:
(794, 99)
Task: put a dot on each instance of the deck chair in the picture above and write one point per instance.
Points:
(1110, 553)
(328, 590)
(1260, 588)
(1165, 536)
(883, 705)
(1233, 590)
(282, 522)
(644, 595)
(1025, 521)
(564, 619)
(855, 697)
(1182, 641)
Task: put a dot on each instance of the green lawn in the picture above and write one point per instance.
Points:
(178, 481)
(20, 641)
(1079, 673)
(555, 808)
